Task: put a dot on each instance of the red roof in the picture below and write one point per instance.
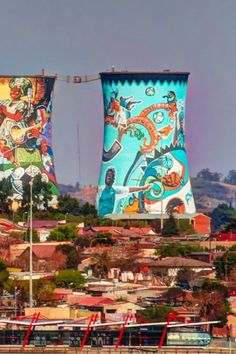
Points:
(108, 229)
(141, 230)
(43, 251)
(94, 301)
(47, 224)
(7, 225)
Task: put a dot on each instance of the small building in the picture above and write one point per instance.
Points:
(169, 266)
(45, 258)
(201, 224)
(120, 309)
(63, 312)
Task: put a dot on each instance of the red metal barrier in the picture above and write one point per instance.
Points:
(34, 320)
(171, 317)
(93, 320)
(128, 318)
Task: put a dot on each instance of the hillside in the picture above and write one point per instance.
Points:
(207, 194)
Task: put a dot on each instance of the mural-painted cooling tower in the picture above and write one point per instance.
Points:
(144, 165)
(25, 131)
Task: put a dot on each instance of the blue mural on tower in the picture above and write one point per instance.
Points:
(144, 164)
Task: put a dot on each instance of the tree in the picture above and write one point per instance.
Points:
(43, 291)
(64, 233)
(222, 215)
(35, 235)
(170, 228)
(173, 293)
(103, 239)
(185, 275)
(212, 305)
(69, 278)
(230, 227)
(206, 174)
(225, 264)
(185, 227)
(155, 313)
(72, 255)
(83, 241)
(231, 178)
(176, 249)
(41, 194)
(4, 274)
(5, 195)
(68, 204)
(214, 285)
(88, 209)
(103, 264)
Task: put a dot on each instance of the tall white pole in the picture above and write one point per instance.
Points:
(162, 221)
(31, 248)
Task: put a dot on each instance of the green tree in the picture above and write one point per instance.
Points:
(170, 227)
(35, 235)
(88, 209)
(43, 291)
(223, 214)
(155, 313)
(214, 285)
(206, 174)
(41, 194)
(225, 264)
(103, 239)
(176, 249)
(230, 227)
(231, 177)
(64, 233)
(4, 274)
(68, 204)
(69, 278)
(83, 242)
(185, 227)
(5, 196)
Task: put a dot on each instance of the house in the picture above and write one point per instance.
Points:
(169, 266)
(45, 258)
(201, 224)
(6, 226)
(16, 249)
(61, 312)
(119, 310)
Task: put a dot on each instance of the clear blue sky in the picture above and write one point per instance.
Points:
(88, 36)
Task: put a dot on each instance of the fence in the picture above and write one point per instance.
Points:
(143, 350)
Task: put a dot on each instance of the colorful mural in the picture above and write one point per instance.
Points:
(25, 131)
(144, 165)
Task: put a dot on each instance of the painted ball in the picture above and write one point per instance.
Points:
(158, 117)
(150, 91)
(166, 162)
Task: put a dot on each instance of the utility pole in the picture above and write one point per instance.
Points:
(162, 221)
(31, 246)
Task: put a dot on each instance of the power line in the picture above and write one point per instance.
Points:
(73, 79)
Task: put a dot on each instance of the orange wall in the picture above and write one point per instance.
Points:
(202, 224)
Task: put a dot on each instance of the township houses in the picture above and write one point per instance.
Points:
(45, 256)
(78, 304)
(170, 266)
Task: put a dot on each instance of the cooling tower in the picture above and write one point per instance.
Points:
(25, 131)
(144, 165)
